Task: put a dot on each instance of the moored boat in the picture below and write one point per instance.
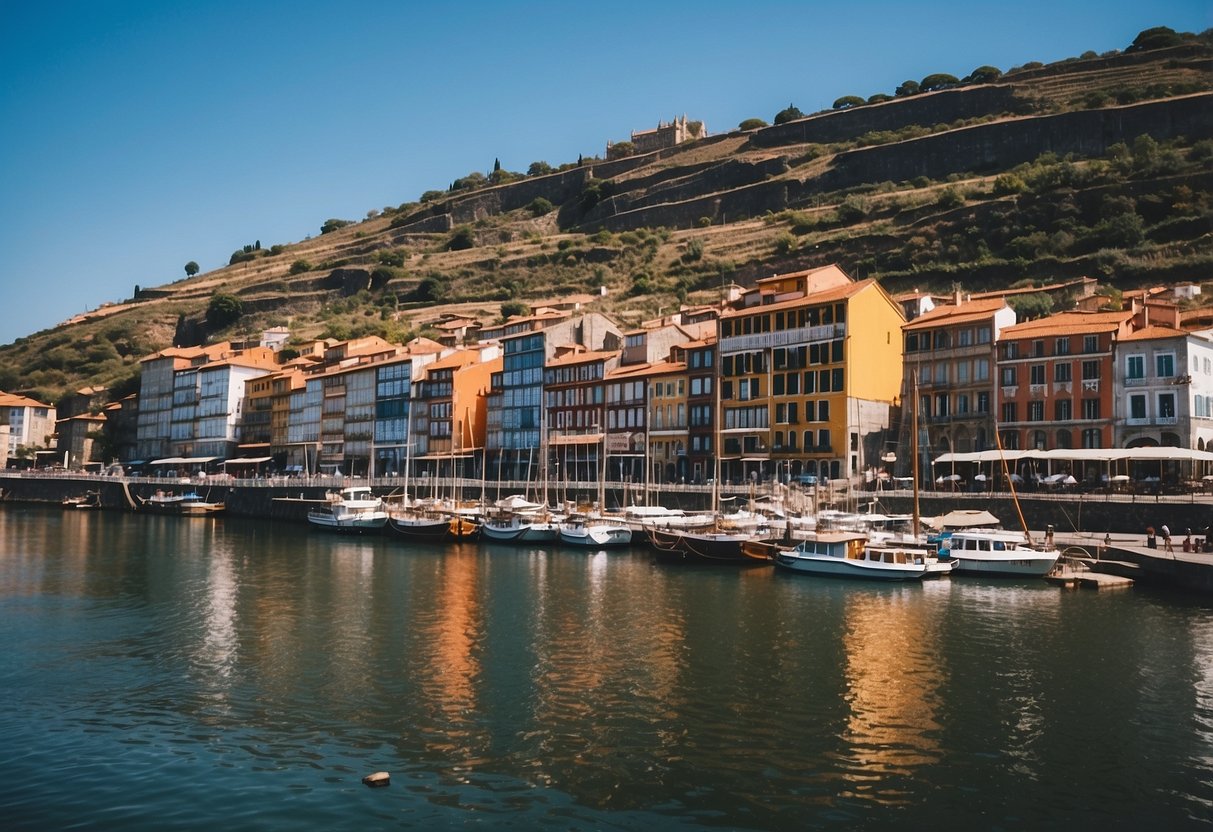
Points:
(849, 555)
(89, 499)
(710, 546)
(593, 532)
(995, 552)
(353, 509)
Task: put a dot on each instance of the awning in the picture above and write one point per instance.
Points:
(576, 439)
(250, 445)
(171, 460)
(251, 460)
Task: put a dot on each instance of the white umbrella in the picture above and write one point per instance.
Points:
(1069, 480)
(980, 478)
(1120, 478)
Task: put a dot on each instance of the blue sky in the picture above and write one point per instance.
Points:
(138, 136)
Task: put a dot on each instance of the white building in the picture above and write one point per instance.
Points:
(25, 423)
(1164, 389)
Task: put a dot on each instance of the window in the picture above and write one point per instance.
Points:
(981, 369)
(983, 335)
(962, 404)
(1090, 343)
(1063, 372)
(1166, 405)
(1010, 412)
(1065, 439)
(1038, 371)
(1135, 366)
(1164, 364)
(1092, 438)
(1137, 407)
(1090, 408)
(1038, 348)
(1090, 370)
(1036, 411)
(1063, 410)
(1061, 346)
(823, 438)
(1007, 375)
(983, 402)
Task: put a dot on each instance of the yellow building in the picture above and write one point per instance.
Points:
(810, 368)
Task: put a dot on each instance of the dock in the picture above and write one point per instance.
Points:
(1079, 576)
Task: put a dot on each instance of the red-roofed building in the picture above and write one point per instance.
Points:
(1164, 389)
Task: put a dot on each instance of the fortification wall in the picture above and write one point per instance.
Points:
(941, 107)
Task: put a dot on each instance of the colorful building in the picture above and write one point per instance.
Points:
(811, 364)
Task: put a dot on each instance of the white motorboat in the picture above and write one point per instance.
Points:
(995, 552)
(841, 554)
(596, 532)
(353, 509)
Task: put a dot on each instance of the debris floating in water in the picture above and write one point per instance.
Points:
(379, 778)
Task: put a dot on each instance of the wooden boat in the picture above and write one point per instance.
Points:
(711, 546)
(419, 525)
(849, 555)
(354, 509)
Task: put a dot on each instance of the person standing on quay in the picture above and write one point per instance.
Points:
(1166, 539)
(1150, 542)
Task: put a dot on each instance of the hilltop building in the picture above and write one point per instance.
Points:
(25, 424)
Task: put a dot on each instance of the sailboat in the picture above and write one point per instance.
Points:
(408, 520)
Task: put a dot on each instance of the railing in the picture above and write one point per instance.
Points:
(782, 338)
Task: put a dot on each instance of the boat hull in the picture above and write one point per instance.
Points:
(1021, 567)
(348, 524)
(427, 530)
(596, 537)
(832, 567)
(671, 546)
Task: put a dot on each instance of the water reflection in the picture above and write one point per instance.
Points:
(152, 657)
(893, 683)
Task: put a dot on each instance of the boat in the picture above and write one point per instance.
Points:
(419, 523)
(352, 509)
(89, 499)
(716, 545)
(188, 504)
(593, 532)
(850, 555)
(983, 551)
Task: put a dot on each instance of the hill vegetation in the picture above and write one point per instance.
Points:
(1095, 166)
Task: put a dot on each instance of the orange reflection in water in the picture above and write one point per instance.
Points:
(893, 689)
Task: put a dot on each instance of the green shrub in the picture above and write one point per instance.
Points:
(540, 206)
(300, 266)
(461, 239)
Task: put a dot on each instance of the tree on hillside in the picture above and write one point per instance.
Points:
(462, 238)
(1028, 307)
(906, 88)
(620, 150)
(879, 97)
(191, 269)
(937, 81)
(751, 124)
(513, 307)
(984, 75)
(1157, 37)
(538, 168)
(223, 310)
(848, 101)
(789, 113)
(333, 225)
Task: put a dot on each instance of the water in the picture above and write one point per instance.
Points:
(166, 673)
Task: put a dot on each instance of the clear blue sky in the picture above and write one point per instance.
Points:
(136, 136)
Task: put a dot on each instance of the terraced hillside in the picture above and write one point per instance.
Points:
(1099, 166)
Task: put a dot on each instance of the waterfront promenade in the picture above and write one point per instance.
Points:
(1118, 513)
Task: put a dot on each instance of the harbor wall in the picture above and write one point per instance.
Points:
(290, 500)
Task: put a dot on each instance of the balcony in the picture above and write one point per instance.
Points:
(783, 338)
(1166, 420)
(1090, 385)
(1135, 381)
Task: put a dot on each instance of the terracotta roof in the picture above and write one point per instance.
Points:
(635, 370)
(14, 400)
(1154, 332)
(583, 357)
(825, 296)
(1067, 323)
(964, 313)
(694, 345)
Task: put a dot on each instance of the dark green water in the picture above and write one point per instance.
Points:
(165, 673)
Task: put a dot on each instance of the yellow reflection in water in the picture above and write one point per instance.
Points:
(893, 688)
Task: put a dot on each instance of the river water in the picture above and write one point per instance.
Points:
(169, 673)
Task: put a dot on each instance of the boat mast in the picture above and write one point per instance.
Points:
(1010, 482)
(914, 448)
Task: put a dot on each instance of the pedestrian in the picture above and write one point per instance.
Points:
(1166, 539)
(1150, 542)
(1188, 541)
(1049, 537)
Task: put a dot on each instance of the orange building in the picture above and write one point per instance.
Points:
(1055, 380)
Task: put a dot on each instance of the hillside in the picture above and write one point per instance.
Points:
(1098, 166)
